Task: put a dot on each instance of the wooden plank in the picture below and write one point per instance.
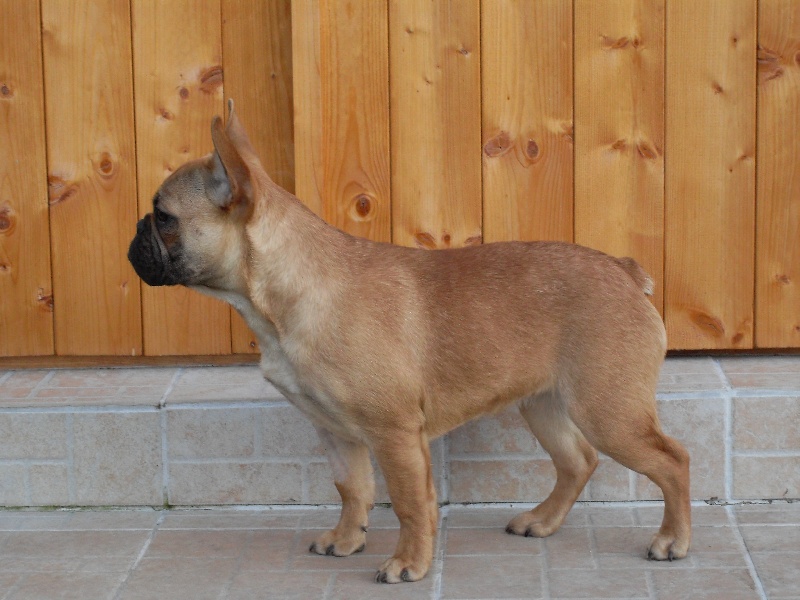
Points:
(257, 60)
(527, 120)
(619, 152)
(178, 78)
(710, 173)
(778, 176)
(435, 122)
(92, 176)
(26, 311)
(342, 130)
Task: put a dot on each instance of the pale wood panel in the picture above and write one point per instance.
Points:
(527, 120)
(778, 176)
(257, 60)
(710, 173)
(435, 122)
(178, 77)
(92, 175)
(26, 310)
(619, 152)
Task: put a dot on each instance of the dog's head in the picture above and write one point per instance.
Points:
(195, 234)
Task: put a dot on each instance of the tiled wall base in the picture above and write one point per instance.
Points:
(204, 436)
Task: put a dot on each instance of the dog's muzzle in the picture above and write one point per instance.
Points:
(149, 256)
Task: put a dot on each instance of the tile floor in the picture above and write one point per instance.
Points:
(745, 551)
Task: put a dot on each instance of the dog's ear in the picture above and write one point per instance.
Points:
(231, 178)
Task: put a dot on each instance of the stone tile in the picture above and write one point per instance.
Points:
(464, 516)
(502, 432)
(699, 424)
(326, 518)
(198, 543)
(238, 519)
(211, 433)
(20, 385)
(179, 578)
(12, 485)
(235, 483)
(766, 423)
(609, 516)
(609, 482)
(763, 372)
(585, 583)
(113, 386)
(570, 548)
(362, 586)
(293, 585)
(635, 540)
(492, 577)
(771, 538)
(779, 573)
(113, 520)
(285, 431)
(73, 544)
(231, 384)
(33, 520)
(268, 549)
(494, 541)
(690, 374)
(734, 584)
(49, 485)
(501, 480)
(66, 586)
(779, 513)
(758, 477)
(33, 435)
(711, 516)
(117, 457)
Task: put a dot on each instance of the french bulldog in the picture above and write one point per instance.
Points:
(384, 347)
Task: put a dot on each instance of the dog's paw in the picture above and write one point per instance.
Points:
(667, 547)
(396, 570)
(331, 543)
(530, 524)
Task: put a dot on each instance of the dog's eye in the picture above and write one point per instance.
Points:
(161, 216)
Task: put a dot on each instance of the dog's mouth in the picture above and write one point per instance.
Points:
(150, 257)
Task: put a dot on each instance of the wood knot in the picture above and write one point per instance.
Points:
(619, 145)
(446, 239)
(737, 338)
(766, 56)
(532, 150)
(425, 240)
(4, 268)
(211, 79)
(7, 220)
(646, 151)
(165, 114)
(60, 190)
(409, 30)
(716, 87)
(361, 208)
(568, 131)
(498, 145)
(463, 51)
(474, 240)
(610, 43)
(709, 323)
(104, 165)
(183, 93)
(797, 57)
(734, 40)
(5, 91)
(774, 74)
(783, 278)
(44, 299)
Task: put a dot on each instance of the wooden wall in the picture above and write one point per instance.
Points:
(660, 129)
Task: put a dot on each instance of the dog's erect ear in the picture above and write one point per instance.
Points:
(232, 185)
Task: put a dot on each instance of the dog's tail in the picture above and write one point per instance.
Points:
(637, 273)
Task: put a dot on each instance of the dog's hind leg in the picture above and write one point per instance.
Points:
(625, 426)
(354, 479)
(574, 458)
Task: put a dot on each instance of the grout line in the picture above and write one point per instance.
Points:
(223, 593)
(72, 488)
(162, 422)
(437, 569)
(42, 383)
(767, 453)
(751, 567)
(5, 377)
(545, 568)
(139, 558)
(728, 428)
(328, 593)
(651, 585)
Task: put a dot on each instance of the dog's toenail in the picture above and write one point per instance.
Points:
(404, 575)
(313, 548)
(382, 577)
(528, 532)
(670, 556)
(509, 530)
(364, 528)
(329, 550)
(650, 555)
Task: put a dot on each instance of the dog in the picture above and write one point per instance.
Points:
(384, 347)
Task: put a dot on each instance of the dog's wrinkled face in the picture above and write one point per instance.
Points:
(190, 238)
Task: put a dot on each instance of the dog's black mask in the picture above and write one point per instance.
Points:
(151, 259)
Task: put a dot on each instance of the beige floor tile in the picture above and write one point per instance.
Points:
(362, 586)
(198, 543)
(73, 544)
(503, 432)
(113, 519)
(235, 483)
(201, 384)
(178, 579)
(779, 573)
(756, 477)
(692, 374)
(712, 515)
(269, 585)
(494, 542)
(268, 549)
(769, 372)
(20, 385)
(569, 549)
(603, 516)
(702, 584)
(501, 480)
(197, 433)
(766, 423)
(585, 583)
(781, 513)
(492, 577)
(380, 542)
(66, 586)
(464, 516)
(771, 538)
(326, 518)
(233, 519)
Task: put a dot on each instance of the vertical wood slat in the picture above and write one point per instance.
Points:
(342, 120)
(92, 176)
(257, 61)
(710, 173)
(619, 153)
(178, 82)
(435, 122)
(26, 317)
(778, 176)
(527, 120)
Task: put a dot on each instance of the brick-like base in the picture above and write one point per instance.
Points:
(203, 436)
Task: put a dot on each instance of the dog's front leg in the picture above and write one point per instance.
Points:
(405, 460)
(353, 477)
